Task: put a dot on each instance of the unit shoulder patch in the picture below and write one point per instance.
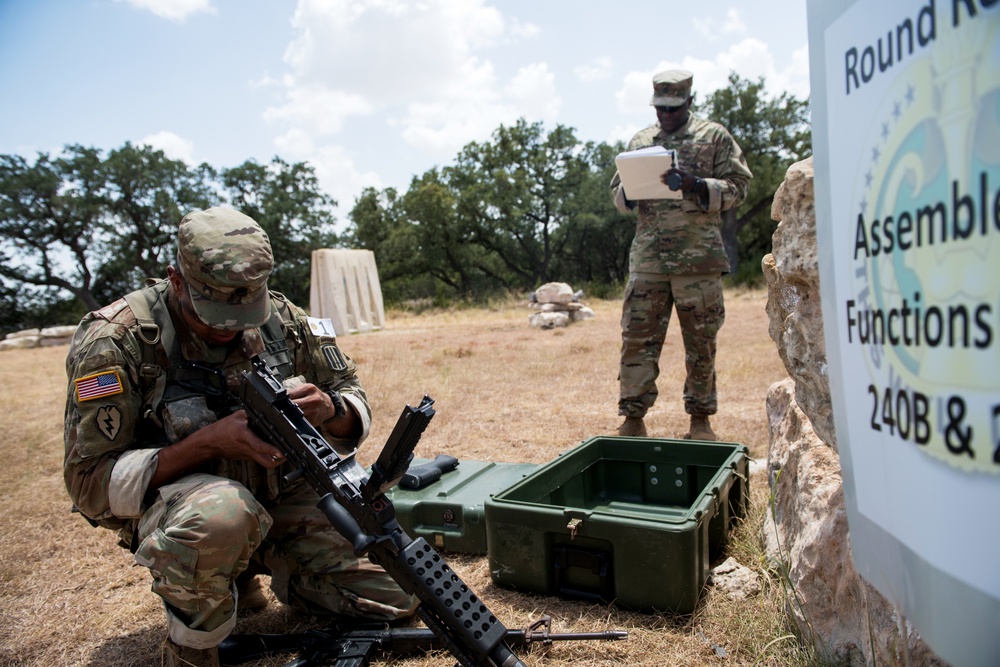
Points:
(109, 421)
(335, 358)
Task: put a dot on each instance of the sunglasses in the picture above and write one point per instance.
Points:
(671, 109)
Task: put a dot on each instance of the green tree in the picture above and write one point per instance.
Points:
(379, 223)
(285, 199)
(145, 194)
(50, 213)
(515, 193)
(446, 242)
(91, 226)
(773, 132)
(595, 243)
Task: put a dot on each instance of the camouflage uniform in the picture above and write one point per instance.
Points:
(677, 259)
(128, 398)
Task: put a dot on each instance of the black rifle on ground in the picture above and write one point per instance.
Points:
(356, 505)
(356, 645)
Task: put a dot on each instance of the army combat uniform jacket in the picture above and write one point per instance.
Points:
(684, 236)
(137, 384)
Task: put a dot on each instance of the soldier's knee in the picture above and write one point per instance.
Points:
(225, 518)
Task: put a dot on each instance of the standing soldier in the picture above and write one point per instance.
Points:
(677, 257)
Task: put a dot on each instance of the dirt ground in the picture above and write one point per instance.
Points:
(503, 392)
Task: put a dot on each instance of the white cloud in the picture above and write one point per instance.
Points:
(795, 77)
(711, 30)
(339, 176)
(419, 65)
(295, 142)
(624, 132)
(440, 130)
(336, 171)
(389, 51)
(174, 10)
(734, 22)
(520, 30)
(597, 69)
(750, 58)
(316, 109)
(533, 92)
(173, 145)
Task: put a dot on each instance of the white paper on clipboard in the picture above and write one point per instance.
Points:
(640, 172)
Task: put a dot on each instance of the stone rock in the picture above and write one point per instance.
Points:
(554, 293)
(64, 331)
(794, 307)
(24, 333)
(542, 320)
(551, 307)
(19, 343)
(806, 533)
(560, 305)
(55, 336)
(737, 581)
(48, 337)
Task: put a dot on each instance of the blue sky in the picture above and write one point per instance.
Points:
(370, 92)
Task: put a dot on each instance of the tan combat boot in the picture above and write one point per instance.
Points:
(701, 429)
(633, 427)
(251, 594)
(185, 656)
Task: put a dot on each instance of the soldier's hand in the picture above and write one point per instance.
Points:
(315, 403)
(685, 181)
(677, 179)
(622, 204)
(233, 438)
(228, 438)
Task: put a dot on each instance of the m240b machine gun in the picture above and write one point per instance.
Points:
(356, 506)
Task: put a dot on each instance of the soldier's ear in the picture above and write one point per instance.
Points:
(175, 278)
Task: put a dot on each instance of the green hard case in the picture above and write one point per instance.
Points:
(630, 521)
(449, 513)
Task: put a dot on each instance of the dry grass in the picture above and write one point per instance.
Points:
(503, 392)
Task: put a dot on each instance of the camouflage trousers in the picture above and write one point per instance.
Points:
(203, 531)
(649, 300)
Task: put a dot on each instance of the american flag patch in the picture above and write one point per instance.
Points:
(94, 386)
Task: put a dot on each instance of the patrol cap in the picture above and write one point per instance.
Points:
(225, 258)
(671, 88)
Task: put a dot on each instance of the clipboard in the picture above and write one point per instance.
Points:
(640, 172)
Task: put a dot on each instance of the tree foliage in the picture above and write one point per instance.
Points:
(529, 207)
(773, 133)
(80, 229)
(515, 193)
(92, 226)
(526, 207)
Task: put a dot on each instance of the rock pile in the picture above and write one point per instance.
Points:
(837, 610)
(48, 337)
(557, 305)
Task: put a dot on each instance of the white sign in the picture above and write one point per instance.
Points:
(906, 104)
